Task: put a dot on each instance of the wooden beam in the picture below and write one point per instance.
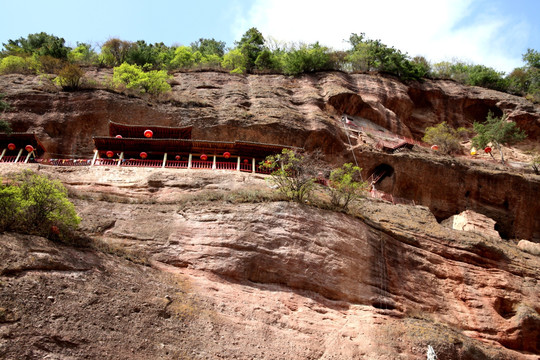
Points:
(3, 153)
(19, 155)
(238, 164)
(189, 161)
(164, 160)
(96, 152)
(120, 158)
(214, 163)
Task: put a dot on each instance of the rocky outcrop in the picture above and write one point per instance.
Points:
(300, 111)
(471, 221)
(337, 282)
(449, 186)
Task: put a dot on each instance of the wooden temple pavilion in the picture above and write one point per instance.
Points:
(20, 147)
(161, 146)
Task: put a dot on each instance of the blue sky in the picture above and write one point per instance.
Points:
(490, 32)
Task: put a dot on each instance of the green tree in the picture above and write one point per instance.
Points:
(235, 61)
(183, 58)
(251, 45)
(293, 174)
(33, 204)
(445, 137)
(133, 77)
(346, 185)
(498, 132)
(305, 59)
(157, 56)
(41, 44)
(83, 54)
(208, 47)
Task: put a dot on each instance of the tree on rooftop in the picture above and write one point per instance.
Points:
(498, 132)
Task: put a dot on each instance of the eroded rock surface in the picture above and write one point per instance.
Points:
(282, 280)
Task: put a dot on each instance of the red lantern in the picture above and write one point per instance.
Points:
(246, 161)
(29, 148)
(177, 157)
(118, 136)
(487, 149)
(143, 155)
(11, 146)
(55, 229)
(148, 133)
(226, 154)
(110, 154)
(204, 157)
(434, 147)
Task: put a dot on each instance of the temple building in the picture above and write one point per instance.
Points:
(162, 146)
(20, 147)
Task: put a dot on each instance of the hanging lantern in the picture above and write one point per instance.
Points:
(143, 155)
(118, 136)
(148, 133)
(11, 146)
(55, 229)
(204, 157)
(29, 148)
(487, 149)
(434, 147)
(246, 161)
(110, 154)
(473, 151)
(226, 154)
(177, 157)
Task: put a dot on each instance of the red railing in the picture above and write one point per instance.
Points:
(142, 163)
(201, 164)
(263, 170)
(11, 159)
(226, 165)
(177, 164)
(106, 162)
(245, 167)
(67, 162)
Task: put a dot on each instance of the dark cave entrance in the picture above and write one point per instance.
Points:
(382, 178)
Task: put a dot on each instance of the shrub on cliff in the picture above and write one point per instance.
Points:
(445, 137)
(346, 185)
(13, 64)
(133, 77)
(33, 204)
(498, 132)
(293, 174)
(69, 78)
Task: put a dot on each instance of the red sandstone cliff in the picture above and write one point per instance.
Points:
(275, 280)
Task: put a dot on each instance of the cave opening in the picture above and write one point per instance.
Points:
(381, 178)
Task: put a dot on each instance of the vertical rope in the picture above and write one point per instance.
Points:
(344, 119)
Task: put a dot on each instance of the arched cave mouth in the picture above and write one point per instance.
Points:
(478, 111)
(381, 172)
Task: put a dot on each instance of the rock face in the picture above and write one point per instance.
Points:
(282, 280)
(449, 186)
(273, 279)
(473, 222)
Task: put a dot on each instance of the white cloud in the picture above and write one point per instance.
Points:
(439, 30)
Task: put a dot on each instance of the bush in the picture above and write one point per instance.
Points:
(235, 61)
(183, 58)
(305, 59)
(133, 77)
(346, 185)
(70, 77)
(33, 204)
(498, 132)
(18, 65)
(535, 164)
(445, 137)
(83, 54)
(293, 174)
(5, 127)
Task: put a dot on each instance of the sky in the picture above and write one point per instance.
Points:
(494, 33)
